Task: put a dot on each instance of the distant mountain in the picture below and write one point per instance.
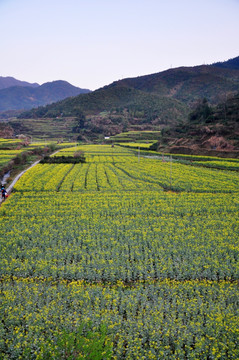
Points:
(229, 64)
(27, 97)
(6, 82)
(186, 84)
(148, 102)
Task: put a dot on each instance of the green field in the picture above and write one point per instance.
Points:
(48, 129)
(136, 136)
(15, 152)
(145, 247)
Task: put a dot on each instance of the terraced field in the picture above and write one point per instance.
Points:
(147, 248)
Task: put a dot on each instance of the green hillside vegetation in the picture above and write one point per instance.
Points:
(188, 84)
(109, 111)
(136, 136)
(45, 128)
(152, 102)
(207, 129)
(116, 98)
(229, 64)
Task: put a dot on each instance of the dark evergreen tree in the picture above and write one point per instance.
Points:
(201, 113)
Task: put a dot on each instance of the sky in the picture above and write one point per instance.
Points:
(91, 43)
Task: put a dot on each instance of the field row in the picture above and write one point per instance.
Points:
(95, 149)
(127, 174)
(154, 320)
(178, 177)
(101, 243)
(174, 175)
(227, 165)
(80, 177)
(131, 236)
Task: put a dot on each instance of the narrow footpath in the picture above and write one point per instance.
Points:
(10, 187)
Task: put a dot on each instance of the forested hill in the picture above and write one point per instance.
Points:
(188, 84)
(229, 64)
(185, 84)
(148, 102)
(207, 129)
(117, 100)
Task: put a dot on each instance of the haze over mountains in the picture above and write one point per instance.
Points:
(21, 95)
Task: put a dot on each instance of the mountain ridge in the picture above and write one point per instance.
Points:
(27, 97)
(184, 85)
(232, 63)
(9, 81)
(148, 102)
(178, 82)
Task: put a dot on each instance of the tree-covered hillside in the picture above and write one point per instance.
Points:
(229, 64)
(149, 102)
(188, 84)
(114, 109)
(207, 129)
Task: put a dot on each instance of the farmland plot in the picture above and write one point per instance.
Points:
(101, 242)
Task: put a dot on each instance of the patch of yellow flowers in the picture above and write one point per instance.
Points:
(101, 242)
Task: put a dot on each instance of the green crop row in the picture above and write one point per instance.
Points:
(98, 253)
(152, 320)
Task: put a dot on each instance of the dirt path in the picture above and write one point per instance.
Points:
(10, 187)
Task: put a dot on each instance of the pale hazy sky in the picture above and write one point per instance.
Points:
(91, 43)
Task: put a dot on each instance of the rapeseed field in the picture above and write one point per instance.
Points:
(144, 248)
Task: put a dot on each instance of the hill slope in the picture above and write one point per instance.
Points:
(207, 130)
(188, 84)
(114, 99)
(27, 97)
(147, 102)
(6, 82)
(229, 64)
(109, 111)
